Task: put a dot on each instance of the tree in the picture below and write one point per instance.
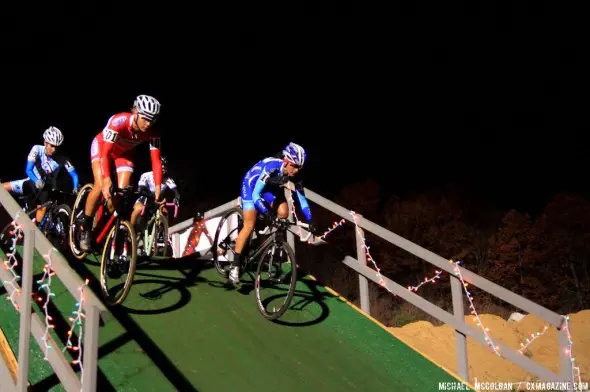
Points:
(567, 226)
(506, 250)
(434, 222)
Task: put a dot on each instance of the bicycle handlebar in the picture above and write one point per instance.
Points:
(124, 191)
(175, 208)
(284, 224)
(167, 205)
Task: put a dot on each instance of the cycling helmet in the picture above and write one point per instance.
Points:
(147, 106)
(52, 135)
(295, 154)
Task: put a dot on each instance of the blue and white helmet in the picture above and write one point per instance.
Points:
(53, 135)
(147, 106)
(295, 154)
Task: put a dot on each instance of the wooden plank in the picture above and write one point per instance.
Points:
(8, 356)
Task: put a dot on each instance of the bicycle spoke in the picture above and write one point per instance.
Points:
(275, 280)
(223, 248)
(118, 263)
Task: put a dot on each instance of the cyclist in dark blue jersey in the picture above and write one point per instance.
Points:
(262, 192)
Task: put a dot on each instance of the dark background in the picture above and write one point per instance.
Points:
(489, 98)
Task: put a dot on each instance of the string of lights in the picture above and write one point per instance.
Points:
(534, 336)
(569, 350)
(77, 322)
(476, 318)
(12, 263)
(473, 311)
(334, 227)
(294, 213)
(426, 280)
(366, 249)
(45, 284)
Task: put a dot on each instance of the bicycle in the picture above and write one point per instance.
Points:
(258, 248)
(55, 222)
(116, 228)
(156, 229)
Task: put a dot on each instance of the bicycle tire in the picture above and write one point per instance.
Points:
(63, 208)
(292, 283)
(162, 252)
(132, 263)
(74, 249)
(215, 245)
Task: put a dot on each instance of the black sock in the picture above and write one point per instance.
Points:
(86, 221)
(237, 261)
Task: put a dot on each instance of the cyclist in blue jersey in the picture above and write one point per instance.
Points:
(262, 192)
(43, 166)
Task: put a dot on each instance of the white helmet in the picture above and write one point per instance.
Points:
(52, 135)
(295, 154)
(147, 106)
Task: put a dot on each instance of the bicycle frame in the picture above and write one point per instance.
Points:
(109, 223)
(282, 228)
(51, 204)
(149, 237)
(45, 205)
(108, 226)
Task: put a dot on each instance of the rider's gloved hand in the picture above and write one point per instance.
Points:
(269, 217)
(39, 184)
(75, 191)
(312, 228)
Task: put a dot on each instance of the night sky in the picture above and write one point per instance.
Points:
(492, 101)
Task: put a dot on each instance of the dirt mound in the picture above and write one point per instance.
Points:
(439, 343)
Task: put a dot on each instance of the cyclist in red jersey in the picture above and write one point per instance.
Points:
(117, 142)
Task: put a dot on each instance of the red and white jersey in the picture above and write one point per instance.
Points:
(118, 137)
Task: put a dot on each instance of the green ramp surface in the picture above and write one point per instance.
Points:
(183, 329)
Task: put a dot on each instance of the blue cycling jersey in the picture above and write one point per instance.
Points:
(261, 182)
(40, 166)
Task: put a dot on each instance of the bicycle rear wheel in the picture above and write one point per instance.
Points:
(118, 257)
(224, 243)
(58, 230)
(74, 230)
(276, 277)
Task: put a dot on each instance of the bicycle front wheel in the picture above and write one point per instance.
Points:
(276, 277)
(161, 242)
(117, 266)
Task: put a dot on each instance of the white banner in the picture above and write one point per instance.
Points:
(205, 231)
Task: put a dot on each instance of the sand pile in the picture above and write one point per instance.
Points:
(439, 344)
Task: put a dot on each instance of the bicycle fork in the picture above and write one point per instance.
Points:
(149, 238)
